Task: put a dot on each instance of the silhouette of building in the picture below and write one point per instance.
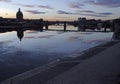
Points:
(19, 15)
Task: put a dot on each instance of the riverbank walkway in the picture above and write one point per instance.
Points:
(99, 65)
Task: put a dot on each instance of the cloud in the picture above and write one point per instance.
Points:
(5, 0)
(87, 11)
(104, 14)
(93, 13)
(45, 7)
(76, 5)
(64, 12)
(24, 5)
(105, 3)
(31, 6)
(35, 12)
(61, 17)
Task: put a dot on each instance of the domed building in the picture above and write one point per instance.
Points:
(19, 15)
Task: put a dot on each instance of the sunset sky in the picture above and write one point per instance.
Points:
(61, 9)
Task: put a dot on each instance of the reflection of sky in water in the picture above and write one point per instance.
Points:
(39, 48)
(7, 36)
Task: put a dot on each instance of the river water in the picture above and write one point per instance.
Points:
(21, 50)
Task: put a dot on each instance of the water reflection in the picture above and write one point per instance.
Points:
(20, 33)
(16, 58)
(39, 48)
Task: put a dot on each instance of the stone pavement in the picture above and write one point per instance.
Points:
(103, 68)
(99, 65)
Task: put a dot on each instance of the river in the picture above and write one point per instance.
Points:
(21, 51)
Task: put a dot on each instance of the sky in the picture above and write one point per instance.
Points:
(67, 10)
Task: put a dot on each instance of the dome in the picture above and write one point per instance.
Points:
(19, 15)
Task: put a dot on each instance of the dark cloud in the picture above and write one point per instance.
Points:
(93, 15)
(87, 11)
(28, 5)
(76, 5)
(45, 7)
(106, 3)
(35, 12)
(104, 14)
(5, 0)
(64, 12)
(31, 6)
(24, 5)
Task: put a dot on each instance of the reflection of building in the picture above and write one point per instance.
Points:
(20, 34)
(19, 15)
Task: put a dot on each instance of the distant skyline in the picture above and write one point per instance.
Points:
(61, 9)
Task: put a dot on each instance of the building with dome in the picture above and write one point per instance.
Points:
(19, 15)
